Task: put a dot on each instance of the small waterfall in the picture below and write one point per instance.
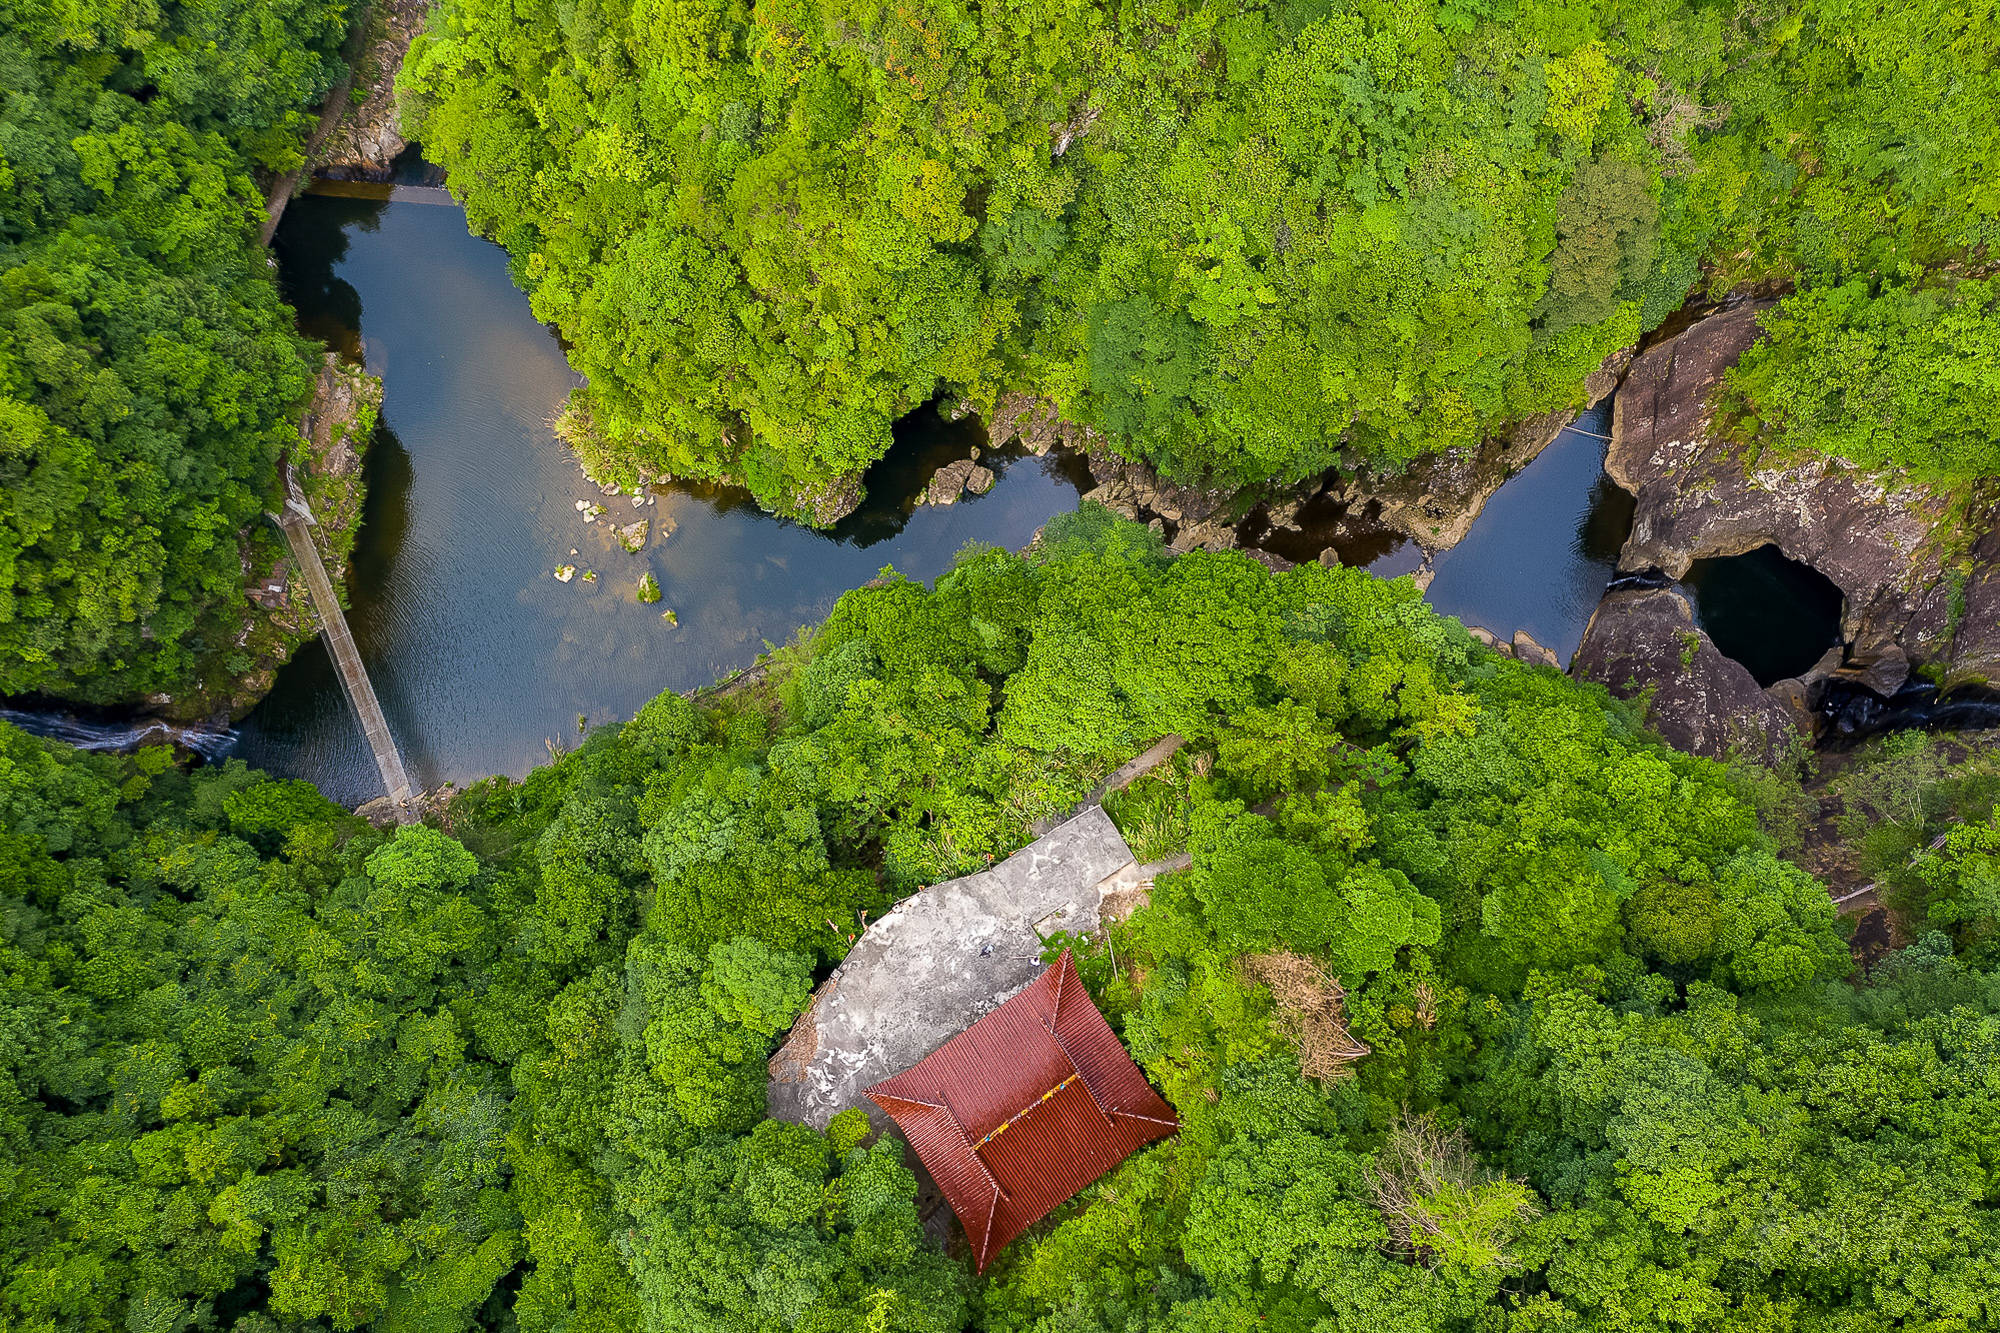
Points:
(117, 736)
(1646, 580)
(1853, 714)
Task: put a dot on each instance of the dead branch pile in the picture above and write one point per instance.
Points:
(1309, 1012)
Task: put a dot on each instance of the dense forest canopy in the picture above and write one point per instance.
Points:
(266, 1067)
(148, 370)
(1246, 240)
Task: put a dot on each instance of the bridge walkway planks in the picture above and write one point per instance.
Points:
(296, 521)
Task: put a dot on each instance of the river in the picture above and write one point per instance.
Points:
(481, 657)
(484, 661)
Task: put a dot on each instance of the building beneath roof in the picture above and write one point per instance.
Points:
(941, 959)
(1015, 1114)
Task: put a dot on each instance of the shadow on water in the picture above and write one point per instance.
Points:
(1516, 569)
(310, 245)
(1354, 531)
(925, 442)
(481, 657)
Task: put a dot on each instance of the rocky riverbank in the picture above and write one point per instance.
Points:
(1918, 568)
(368, 137)
(1433, 503)
(326, 466)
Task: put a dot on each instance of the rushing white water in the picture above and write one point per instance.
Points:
(83, 733)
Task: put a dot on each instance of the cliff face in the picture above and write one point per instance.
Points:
(277, 612)
(1974, 610)
(1889, 545)
(368, 138)
(1918, 567)
(1643, 643)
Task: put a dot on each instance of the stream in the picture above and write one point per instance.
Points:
(484, 662)
(482, 659)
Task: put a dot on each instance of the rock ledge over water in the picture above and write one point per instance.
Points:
(1644, 642)
(1887, 543)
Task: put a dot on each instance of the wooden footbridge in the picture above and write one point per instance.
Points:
(297, 521)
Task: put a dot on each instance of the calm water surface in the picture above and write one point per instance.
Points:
(1541, 552)
(483, 659)
(1773, 615)
(480, 656)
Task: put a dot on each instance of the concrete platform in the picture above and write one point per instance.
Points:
(942, 959)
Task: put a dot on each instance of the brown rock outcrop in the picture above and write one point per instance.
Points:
(1644, 640)
(1037, 426)
(369, 136)
(1528, 649)
(1886, 543)
(948, 482)
(338, 423)
(1434, 502)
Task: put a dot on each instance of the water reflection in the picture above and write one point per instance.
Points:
(480, 656)
(1515, 570)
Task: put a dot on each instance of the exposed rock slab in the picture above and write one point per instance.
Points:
(369, 137)
(1975, 647)
(1641, 640)
(948, 482)
(1528, 649)
(1883, 542)
(827, 501)
(944, 958)
(1037, 426)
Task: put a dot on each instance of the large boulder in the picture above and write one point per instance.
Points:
(1886, 542)
(1644, 641)
(828, 500)
(947, 484)
(941, 959)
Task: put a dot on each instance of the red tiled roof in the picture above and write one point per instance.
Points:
(1024, 1108)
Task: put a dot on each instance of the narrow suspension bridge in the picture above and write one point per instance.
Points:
(296, 521)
